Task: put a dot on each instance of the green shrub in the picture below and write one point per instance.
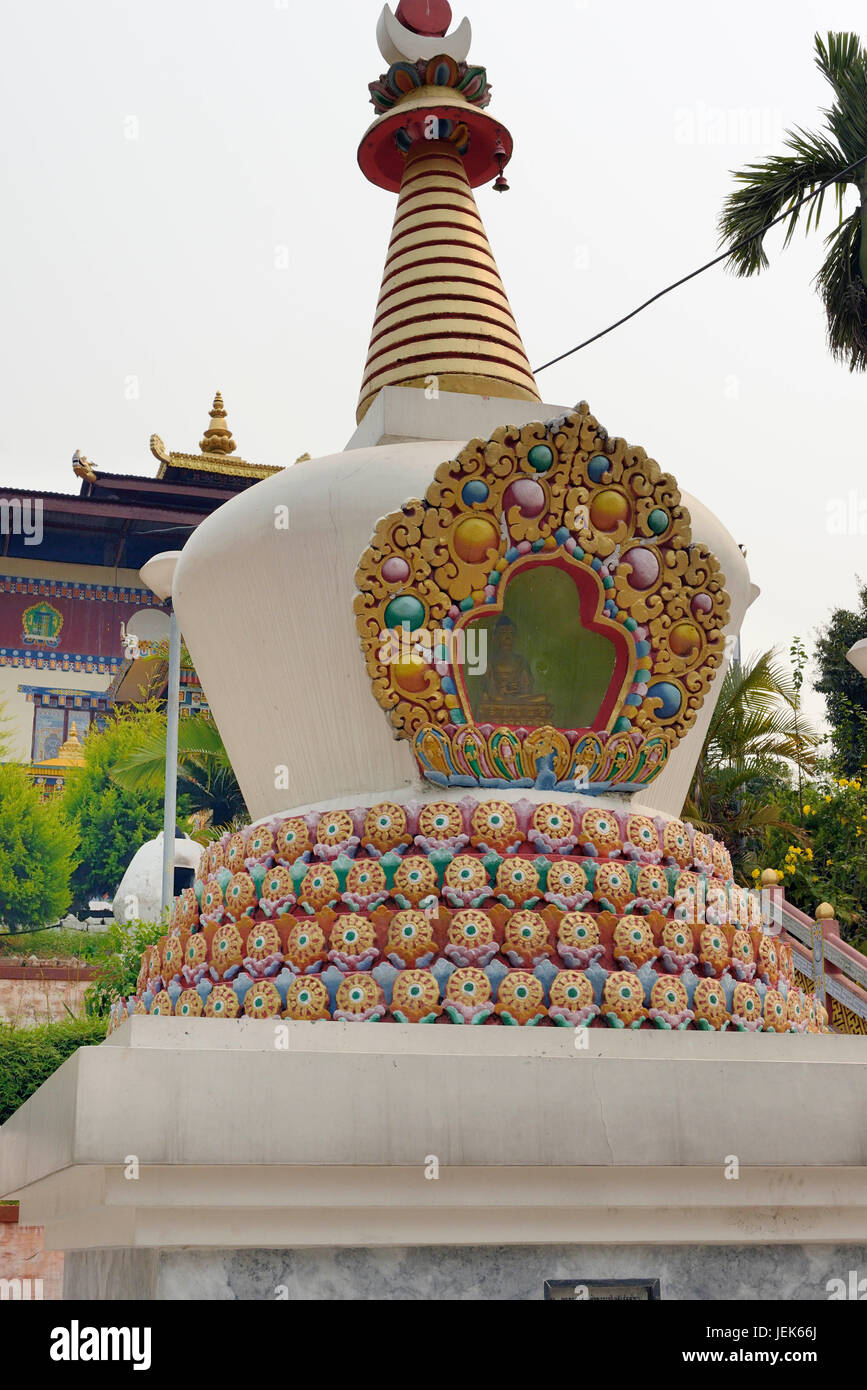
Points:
(112, 823)
(118, 971)
(28, 1056)
(36, 853)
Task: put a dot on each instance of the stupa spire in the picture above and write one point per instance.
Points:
(442, 312)
(218, 437)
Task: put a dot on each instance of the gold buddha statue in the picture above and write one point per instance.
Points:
(508, 695)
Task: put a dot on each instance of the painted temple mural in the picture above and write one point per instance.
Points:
(50, 625)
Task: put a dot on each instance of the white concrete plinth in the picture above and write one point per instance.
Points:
(243, 1144)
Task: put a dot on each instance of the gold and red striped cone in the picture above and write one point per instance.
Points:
(442, 311)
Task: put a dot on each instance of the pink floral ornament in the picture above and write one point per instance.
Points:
(553, 829)
(578, 944)
(441, 826)
(668, 1004)
(365, 886)
(353, 944)
(743, 966)
(335, 835)
(261, 845)
(652, 890)
(676, 949)
(747, 1009)
(410, 942)
(633, 943)
(359, 1000)
(526, 939)
(276, 892)
(195, 965)
(468, 998)
(264, 956)
(567, 886)
(466, 882)
(640, 839)
(571, 1000)
(471, 939)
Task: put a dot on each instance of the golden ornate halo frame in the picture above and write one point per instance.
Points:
(561, 492)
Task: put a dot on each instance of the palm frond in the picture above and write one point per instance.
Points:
(205, 775)
(768, 189)
(785, 185)
(842, 61)
(844, 293)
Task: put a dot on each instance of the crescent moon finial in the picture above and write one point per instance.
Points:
(398, 43)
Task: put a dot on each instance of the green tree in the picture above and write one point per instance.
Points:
(771, 187)
(206, 781)
(844, 688)
(37, 850)
(743, 773)
(828, 863)
(112, 823)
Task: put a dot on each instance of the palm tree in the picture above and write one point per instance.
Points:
(205, 775)
(755, 736)
(781, 181)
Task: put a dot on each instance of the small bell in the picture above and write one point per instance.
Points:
(501, 184)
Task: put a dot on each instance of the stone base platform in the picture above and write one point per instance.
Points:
(345, 1160)
(484, 1273)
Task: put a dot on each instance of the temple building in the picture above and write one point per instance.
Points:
(71, 599)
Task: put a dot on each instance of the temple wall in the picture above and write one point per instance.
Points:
(101, 634)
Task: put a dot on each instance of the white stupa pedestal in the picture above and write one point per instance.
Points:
(303, 1172)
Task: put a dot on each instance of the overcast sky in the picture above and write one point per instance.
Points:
(156, 156)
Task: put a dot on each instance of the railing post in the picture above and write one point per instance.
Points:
(772, 902)
(824, 916)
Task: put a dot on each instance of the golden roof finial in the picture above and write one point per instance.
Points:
(72, 751)
(218, 437)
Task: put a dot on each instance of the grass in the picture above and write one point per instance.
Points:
(57, 942)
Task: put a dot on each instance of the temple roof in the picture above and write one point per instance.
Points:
(214, 460)
(121, 520)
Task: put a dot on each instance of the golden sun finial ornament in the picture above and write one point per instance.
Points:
(218, 437)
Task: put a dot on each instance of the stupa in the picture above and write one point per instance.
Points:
(495, 662)
(463, 670)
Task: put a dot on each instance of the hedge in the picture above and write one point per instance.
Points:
(28, 1056)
